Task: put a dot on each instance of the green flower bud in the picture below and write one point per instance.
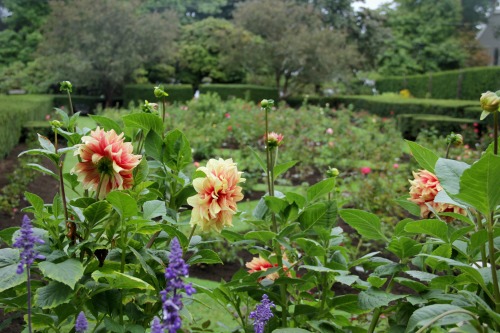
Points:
(489, 101)
(66, 86)
(332, 172)
(454, 139)
(159, 92)
(56, 124)
(266, 103)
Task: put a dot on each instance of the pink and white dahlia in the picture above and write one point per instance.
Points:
(259, 264)
(274, 139)
(106, 162)
(424, 189)
(217, 194)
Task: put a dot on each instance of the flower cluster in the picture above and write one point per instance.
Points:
(262, 314)
(81, 324)
(217, 194)
(171, 297)
(106, 162)
(424, 189)
(26, 241)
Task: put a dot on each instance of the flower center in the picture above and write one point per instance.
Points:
(105, 166)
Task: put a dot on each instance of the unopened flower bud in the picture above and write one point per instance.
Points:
(56, 124)
(454, 139)
(149, 107)
(332, 172)
(489, 101)
(66, 86)
(159, 92)
(266, 103)
(274, 139)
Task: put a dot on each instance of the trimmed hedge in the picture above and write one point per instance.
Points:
(138, 93)
(15, 111)
(84, 104)
(411, 124)
(464, 84)
(244, 91)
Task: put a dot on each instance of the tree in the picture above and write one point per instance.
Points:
(21, 33)
(295, 46)
(424, 37)
(204, 50)
(99, 44)
(189, 10)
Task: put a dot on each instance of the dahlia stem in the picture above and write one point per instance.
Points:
(491, 255)
(70, 226)
(448, 150)
(70, 103)
(484, 259)
(98, 190)
(190, 236)
(164, 110)
(495, 133)
(378, 311)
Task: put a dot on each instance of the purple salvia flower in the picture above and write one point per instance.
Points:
(171, 297)
(26, 242)
(81, 324)
(262, 314)
(156, 326)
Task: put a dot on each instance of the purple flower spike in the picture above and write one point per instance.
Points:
(81, 324)
(262, 314)
(156, 326)
(171, 297)
(26, 242)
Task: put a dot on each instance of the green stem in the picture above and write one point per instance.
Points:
(484, 259)
(495, 133)
(164, 110)
(448, 150)
(491, 255)
(70, 103)
(378, 311)
(98, 190)
(190, 236)
(28, 285)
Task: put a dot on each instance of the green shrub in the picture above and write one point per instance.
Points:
(137, 93)
(458, 84)
(244, 91)
(410, 125)
(17, 110)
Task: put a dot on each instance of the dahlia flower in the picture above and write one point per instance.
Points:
(106, 162)
(274, 139)
(424, 189)
(217, 194)
(259, 264)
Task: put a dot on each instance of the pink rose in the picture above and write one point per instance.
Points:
(365, 170)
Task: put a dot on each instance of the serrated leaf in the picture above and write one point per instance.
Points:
(431, 227)
(46, 144)
(154, 146)
(425, 158)
(449, 173)
(9, 277)
(206, 257)
(311, 215)
(319, 189)
(177, 153)
(52, 295)
(366, 224)
(410, 207)
(310, 247)
(373, 298)
(42, 169)
(154, 208)
(96, 212)
(123, 203)
(263, 236)
(107, 123)
(279, 169)
(404, 247)
(423, 315)
(68, 272)
(145, 121)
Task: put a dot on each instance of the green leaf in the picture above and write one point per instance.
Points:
(347, 303)
(415, 285)
(404, 247)
(320, 269)
(374, 298)
(346, 279)
(153, 145)
(154, 208)
(276, 205)
(376, 281)
(431, 227)
(52, 295)
(366, 224)
(145, 121)
(311, 215)
(68, 272)
(42, 169)
(35, 201)
(480, 183)
(263, 236)
(6, 235)
(259, 160)
(107, 123)
(310, 247)
(279, 169)
(423, 315)
(319, 189)
(425, 158)
(205, 257)
(422, 276)
(141, 171)
(9, 277)
(46, 144)
(411, 207)
(119, 280)
(43, 152)
(291, 330)
(232, 236)
(484, 114)
(449, 173)
(177, 153)
(123, 203)
(96, 212)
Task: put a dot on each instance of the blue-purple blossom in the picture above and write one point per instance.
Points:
(156, 326)
(26, 242)
(171, 297)
(81, 324)
(262, 314)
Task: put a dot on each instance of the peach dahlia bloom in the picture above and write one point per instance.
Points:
(217, 194)
(259, 264)
(424, 189)
(106, 160)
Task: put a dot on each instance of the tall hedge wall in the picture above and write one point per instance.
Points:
(137, 93)
(16, 110)
(465, 84)
(243, 91)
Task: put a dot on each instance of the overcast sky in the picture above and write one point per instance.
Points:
(372, 4)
